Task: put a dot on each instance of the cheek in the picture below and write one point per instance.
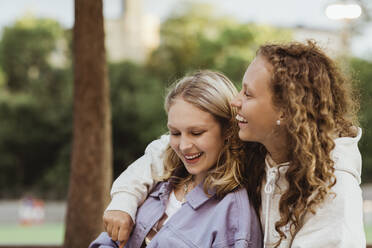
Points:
(173, 144)
(215, 144)
(250, 107)
(258, 112)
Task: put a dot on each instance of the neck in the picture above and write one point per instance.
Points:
(197, 179)
(278, 157)
(278, 151)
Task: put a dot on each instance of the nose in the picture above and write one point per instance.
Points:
(236, 101)
(185, 144)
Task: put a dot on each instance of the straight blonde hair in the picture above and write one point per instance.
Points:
(211, 92)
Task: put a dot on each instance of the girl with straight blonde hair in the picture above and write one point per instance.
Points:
(200, 200)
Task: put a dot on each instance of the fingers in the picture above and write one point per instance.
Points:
(106, 221)
(109, 229)
(118, 225)
(114, 233)
(123, 234)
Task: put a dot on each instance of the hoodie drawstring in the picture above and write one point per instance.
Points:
(269, 190)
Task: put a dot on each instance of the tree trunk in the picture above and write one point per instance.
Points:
(91, 162)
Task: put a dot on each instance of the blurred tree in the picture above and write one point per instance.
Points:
(363, 74)
(366, 6)
(28, 48)
(91, 162)
(35, 107)
(196, 38)
(137, 111)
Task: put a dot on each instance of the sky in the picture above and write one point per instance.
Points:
(284, 13)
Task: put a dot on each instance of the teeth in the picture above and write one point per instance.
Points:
(193, 156)
(241, 118)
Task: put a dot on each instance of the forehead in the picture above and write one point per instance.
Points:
(185, 114)
(258, 71)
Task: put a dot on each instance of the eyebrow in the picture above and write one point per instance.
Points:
(189, 128)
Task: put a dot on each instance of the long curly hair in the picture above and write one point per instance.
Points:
(319, 105)
(211, 92)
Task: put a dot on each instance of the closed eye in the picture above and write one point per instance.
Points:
(197, 133)
(175, 133)
(247, 94)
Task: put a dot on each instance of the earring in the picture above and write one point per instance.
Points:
(278, 122)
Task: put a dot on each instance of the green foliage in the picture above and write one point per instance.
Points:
(137, 111)
(31, 136)
(196, 39)
(363, 73)
(25, 50)
(35, 109)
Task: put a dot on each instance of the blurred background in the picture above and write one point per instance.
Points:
(149, 44)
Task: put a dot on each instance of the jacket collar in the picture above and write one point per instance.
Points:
(195, 198)
(162, 188)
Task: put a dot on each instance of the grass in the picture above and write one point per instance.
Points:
(368, 230)
(50, 233)
(53, 234)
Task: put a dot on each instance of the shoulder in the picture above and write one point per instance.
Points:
(340, 217)
(347, 158)
(161, 188)
(242, 218)
(238, 207)
(238, 198)
(346, 191)
(345, 195)
(158, 145)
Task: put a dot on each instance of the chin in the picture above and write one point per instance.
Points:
(192, 171)
(244, 136)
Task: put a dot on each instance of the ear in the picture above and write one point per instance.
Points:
(281, 116)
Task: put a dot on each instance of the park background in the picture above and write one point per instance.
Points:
(148, 45)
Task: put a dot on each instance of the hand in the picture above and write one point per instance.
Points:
(118, 224)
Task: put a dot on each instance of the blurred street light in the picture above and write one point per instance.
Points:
(347, 12)
(340, 11)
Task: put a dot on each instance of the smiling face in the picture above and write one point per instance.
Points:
(196, 137)
(256, 113)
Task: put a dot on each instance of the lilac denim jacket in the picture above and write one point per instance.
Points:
(202, 221)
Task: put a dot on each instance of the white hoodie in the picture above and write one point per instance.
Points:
(338, 221)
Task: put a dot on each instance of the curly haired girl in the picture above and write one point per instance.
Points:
(300, 109)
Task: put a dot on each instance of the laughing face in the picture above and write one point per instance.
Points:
(196, 137)
(257, 115)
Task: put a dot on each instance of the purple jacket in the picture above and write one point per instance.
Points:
(202, 221)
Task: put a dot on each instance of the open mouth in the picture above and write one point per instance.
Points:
(241, 119)
(193, 158)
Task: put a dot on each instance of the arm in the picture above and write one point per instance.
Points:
(131, 188)
(339, 220)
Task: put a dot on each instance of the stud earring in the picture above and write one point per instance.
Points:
(278, 122)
